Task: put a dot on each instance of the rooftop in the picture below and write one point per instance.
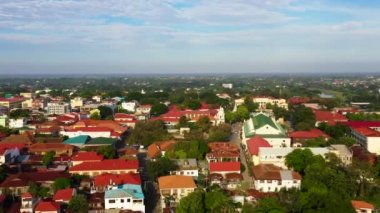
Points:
(106, 165)
(87, 156)
(176, 182)
(126, 190)
(47, 206)
(224, 167)
(255, 143)
(272, 172)
(81, 139)
(64, 195)
(358, 204)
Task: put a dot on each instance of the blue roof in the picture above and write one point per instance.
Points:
(126, 190)
(81, 139)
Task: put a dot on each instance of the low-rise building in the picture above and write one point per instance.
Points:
(264, 101)
(270, 178)
(176, 187)
(64, 195)
(17, 123)
(12, 103)
(114, 166)
(10, 152)
(76, 102)
(343, 153)
(159, 148)
(127, 197)
(58, 108)
(88, 157)
(367, 138)
(224, 168)
(300, 137)
(362, 206)
(47, 207)
(331, 118)
(78, 141)
(28, 202)
(130, 106)
(222, 151)
(253, 146)
(107, 181)
(186, 167)
(57, 148)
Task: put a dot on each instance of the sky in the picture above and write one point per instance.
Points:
(189, 36)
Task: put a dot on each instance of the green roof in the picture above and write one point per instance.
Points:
(261, 120)
(102, 141)
(81, 139)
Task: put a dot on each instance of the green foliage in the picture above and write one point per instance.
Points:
(61, 183)
(363, 116)
(78, 203)
(183, 122)
(248, 208)
(242, 168)
(19, 113)
(315, 142)
(336, 131)
(193, 203)
(48, 158)
(3, 173)
(299, 159)
(250, 105)
(203, 123)
(145, 133)
(242, 113)
(188, 149)
(38, 191)
(161, 167)
(280, 112)
(158, 109)
(95, 116)
(220, 133)
(105, 112)
(303, 118)
(348, 141)
(107, 151)
(269, 205)
(192, 104)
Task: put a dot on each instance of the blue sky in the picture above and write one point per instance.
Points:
(176, 36)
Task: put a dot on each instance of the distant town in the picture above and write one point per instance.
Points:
(190, 144)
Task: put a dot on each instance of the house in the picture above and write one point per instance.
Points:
(107, 181)
(175, 187)
(276, 156)
(28, 202)
(64, 195)
(125, 197)
(362, 206)
(298, 100)
(222, 151)
(186, 167)
(266, 127)
(4, 120)
(18, 184)
(270, 178)
(26, 138)
(101, 141)
(362, 154)
(58, 148)
(87, 157)
(159, 148)
(143, 109)
(253, 145)
(96, 202)
(367, 138)
(9, 152)
(375, 125)
(78, 141)
(298, 138)
(76, 102)
(68, 118)
(47, 207)
(58, 108)
(16, 123)
(12, 102)
(263, 101)
(107, 125)
(93, 132)
(125, 119)
(130, 106)
(233, 180)
(224, 168)
(343, 153)
(330, 118)
(114, 166)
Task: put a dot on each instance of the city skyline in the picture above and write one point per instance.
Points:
(176, 36)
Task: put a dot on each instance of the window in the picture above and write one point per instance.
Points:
(111, 201)
(269, 181)
(261, 181)
(121, 200)
(128, 200)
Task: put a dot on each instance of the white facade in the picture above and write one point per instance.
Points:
(276, 185)
(129, 106)
(17, 123)
(58, 108)
(76, 102)
(263, 101)
(371, 143)
(228, 85)
(123, 199)
(92, 134)
(220, 117)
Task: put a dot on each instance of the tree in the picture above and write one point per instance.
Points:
(192, 203)
(247, 208)
(105, 112)
(250, 105)
(280, 112)
(315, 142)
(61, 183)
(38, 191)
(158, 109)
(162, 166)
(192, 104)
(78, 203)
(299, 159)
(183, 122)
(303, 117)
(220, 133)
(107, 151)
(95, 116)
(269, 205)
(231, 117)
(19, 113)
(242, 113)
(348, 141)
(203, 123)
(145, 133)
(48, 158)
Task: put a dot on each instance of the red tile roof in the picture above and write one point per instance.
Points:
(107, 179)
(357, 204)
(328, 117)
(270, 172)
(313, 133)
(255, 143)
(23, 179)
(64, 195)
(87, 156)
(110, 164)
(357, 124)
(224, 167)
(216, 146)
(26, 195)
(47, 206)
(124, 116)
(38, 147)
(365, 131)
(155, 149)
(90, 129)
(11, 100)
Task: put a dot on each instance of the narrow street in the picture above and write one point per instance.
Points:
(235, 139)
(150, 190)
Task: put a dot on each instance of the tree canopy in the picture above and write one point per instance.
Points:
(78, 203)
(161, 167)
(145, 133)
(61, 183)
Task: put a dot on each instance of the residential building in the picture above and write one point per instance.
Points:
(367, 138)
(143, 109)
(125, 197)
(270, 178)
(375, 125)
(298, 138)
(264, 101)
(87, 157)
(78, 141)
(362, 206)
(228, 85)
(12, 103)
(96, 202)
(101, 141)
(159, 148)
(28, 202)
(130, 106)
(64, 195)
(222, 151)
(76, 102)
(47, 207)
(125, 119)
(4, 120)
(177, 186)
(114, 166)
(331, 118)
(57, 148)
(93, 132)
(224, 168)
(253, 146)
(343, 153)
(266, 127)
(27, 103)
(107, 181)
(58, 108)
(10, 152)
(186, 167)
(17, 123)
(26, 138)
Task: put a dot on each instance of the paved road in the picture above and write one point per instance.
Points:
(235, 139)
(150, 191)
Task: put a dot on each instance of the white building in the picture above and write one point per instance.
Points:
(93, 132)
(129, 106)
(17, 123)
(270, 178)
(127, 197)
(228, 85)
(58, 108)
(343, 153)
(187, 167)
(263, 125)
(8, 154)
(263, 101)
(76, 102)
(175, 186)
(367, 138)
(276, 156)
